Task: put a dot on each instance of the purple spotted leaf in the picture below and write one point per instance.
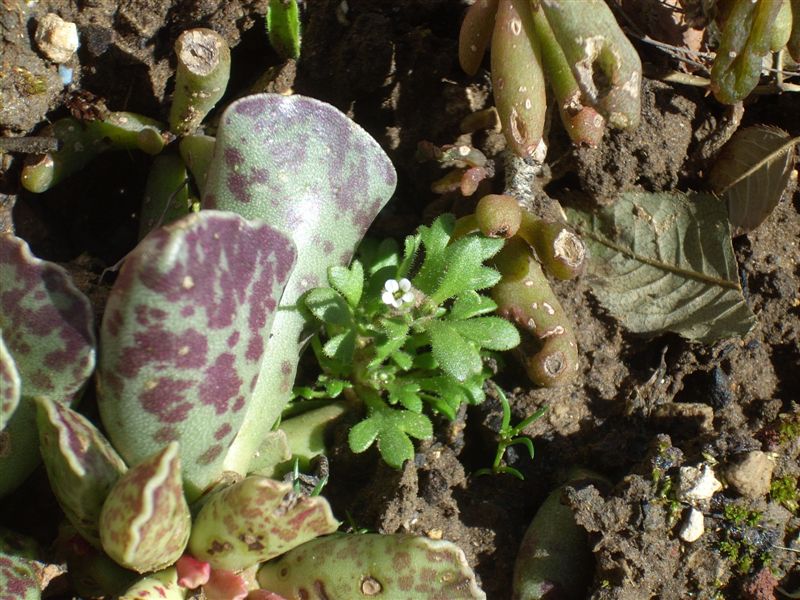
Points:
(81, 464)
(162, 585)
(304, 167)
(18, 579)
(184, 334)
(145, 521)
(367, 565)
(48, 333)
(46, 323)
(9, 384)
(255, 520)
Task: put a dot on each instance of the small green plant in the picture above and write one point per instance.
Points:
(739, 540)
(404, 330)
(784, 491)
(510, 436)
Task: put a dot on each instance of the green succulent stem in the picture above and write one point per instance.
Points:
(204, 65)
(605, 65)
(745, 40)
(524, 296)
(166, 194)
(475, 34)
(583, 123)
(793, 44)
(197, 152)
(81, 141)
(560, 251)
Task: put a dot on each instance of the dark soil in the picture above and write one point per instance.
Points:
(638, 406)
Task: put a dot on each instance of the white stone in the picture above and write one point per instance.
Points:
(692, 527)
(57, 38)
(697, 484)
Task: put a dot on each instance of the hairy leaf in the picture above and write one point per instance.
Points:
(387, 566)
(664, 262)
(283, 27)
(492, 333)
(457, 356)
(255, 520)
(391, 428)
(751, 174)
(470, 304)
(184, 334)
(348, 282)
(328, 306)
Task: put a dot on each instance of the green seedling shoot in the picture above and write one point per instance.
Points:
(509, 436)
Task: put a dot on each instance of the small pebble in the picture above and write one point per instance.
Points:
(692, 527)
(57, 38)
(751, 475)
(697, 484)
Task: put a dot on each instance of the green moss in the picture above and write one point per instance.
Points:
(27, 83)
(740, 515)
(784, 491)
(789, 429)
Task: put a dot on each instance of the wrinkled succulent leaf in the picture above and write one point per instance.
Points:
(184, 334)
(162, 585)
(18, 579)
(347, 566)
(9, 384)
(46, 323)
(145, 521)
(255, 520)
(751, 174)
(192, 573)
(81, 464)
(665, 262)
(304, 167)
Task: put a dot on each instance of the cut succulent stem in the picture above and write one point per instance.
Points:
(793, 45)
(475, 34)
(561, 252)
(517, 77)
(524, 296)
(498, 215)
(166, 195)
(81, 141)
(583, 123)
(204, 65)
(197, 152)
(604, 63)
(744, 42)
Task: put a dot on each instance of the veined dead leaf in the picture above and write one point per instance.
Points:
(751, 174)
(664, 262)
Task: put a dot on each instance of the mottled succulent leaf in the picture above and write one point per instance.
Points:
(366, 565)
(81, 464)
(162, 585)
(184, 334)
(751, 174)
(19, 447)
(9, 384)
(18, 579)
(664, 262)
(255, 520)
(145, 521)
(304, 167)
(46, 323)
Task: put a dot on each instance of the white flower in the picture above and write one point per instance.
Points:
(397, 293)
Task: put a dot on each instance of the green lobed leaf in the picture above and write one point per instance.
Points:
(304, 167)
(348, 282)
(664, 262)
(470, 304)
(386, 566)
(184, 335)
(492, 333)
(391, 428)
(328, 306)
(341, 347)
(145, 521)
(457, 356)
(406, 393)
(752, 172)
(18, 579)
(255, 520)
(81, 465)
